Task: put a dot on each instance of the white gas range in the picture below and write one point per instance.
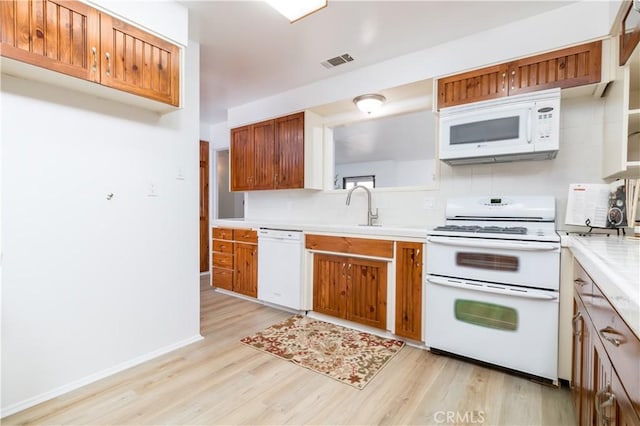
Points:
(493, 281)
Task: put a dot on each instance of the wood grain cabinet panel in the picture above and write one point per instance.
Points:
(354, 289)
(289, 148)
(571, 67)
(235, 260)
(350, 245)
(329, 285)
(74, 39)
(269, 154)
(138, 62)
(63, 36)
(409, 290)
(564, 68)
(606, 372)
(473, 86)
(245, 279)
(367, 292)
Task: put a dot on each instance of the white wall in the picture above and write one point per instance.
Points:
(91, 286)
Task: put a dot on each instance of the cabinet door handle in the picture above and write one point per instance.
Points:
(610, 330)
(600, 406)
(513, 80)
(574, 322)
(108, 56)
(94, 53)
(580, 282)
(504, 81)
(275, 180)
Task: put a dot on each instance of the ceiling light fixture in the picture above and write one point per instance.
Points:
(369, 103)
(294, 10)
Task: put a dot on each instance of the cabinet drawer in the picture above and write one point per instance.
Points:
(222, 246)
(582, 283)
(223, 260)
(222, 278)
(362, 246)
(622, 346)
(245, 235)
(223, 233)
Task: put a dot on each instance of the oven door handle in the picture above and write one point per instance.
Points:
(488, 244)
(484, 288)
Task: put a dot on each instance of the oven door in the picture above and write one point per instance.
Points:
(523, 263)
(508, 326)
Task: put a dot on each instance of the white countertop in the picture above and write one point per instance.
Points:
(614, 264)
(391, 231)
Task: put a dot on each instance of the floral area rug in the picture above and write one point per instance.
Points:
(350, 356)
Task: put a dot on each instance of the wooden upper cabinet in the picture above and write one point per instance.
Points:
(409, 290)
(138, 62)
(570, 67)
(289, 150)
(574, 66)
(263, 140)
(74, 39)
(473, 86)
(241, 159)
(269, 154)
(59, 35)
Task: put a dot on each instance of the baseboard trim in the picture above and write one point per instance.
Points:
(30, 402)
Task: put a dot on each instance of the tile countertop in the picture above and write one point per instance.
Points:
(614, 264)
(391, 231)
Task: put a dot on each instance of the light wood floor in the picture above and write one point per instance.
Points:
(221, 381)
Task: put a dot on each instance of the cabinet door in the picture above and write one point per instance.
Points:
(138, 62)
(329, 281)
(473, 86)
(409, 290)
(263, 139)
(604, 400)
(241, 159)
(574, 66)
(367, 292)
(245, 260)
(290, 151)
(578, 350)
(59, 35)
(586, 417)
(625, 414)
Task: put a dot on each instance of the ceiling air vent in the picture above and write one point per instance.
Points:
(338, 60)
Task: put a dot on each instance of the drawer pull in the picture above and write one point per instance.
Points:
(580, 282)
(574, 322)
(610, 330)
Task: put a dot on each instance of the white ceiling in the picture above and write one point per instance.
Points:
(248, 51)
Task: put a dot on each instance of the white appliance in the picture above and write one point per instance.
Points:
(520, 127)
(280, 277)
(492, 291)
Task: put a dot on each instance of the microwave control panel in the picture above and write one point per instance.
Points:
(545, 119)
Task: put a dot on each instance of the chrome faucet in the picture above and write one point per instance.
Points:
(371, 216)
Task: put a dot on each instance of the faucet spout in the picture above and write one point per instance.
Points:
(371, 216)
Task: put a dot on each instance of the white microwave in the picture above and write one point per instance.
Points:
(520, 127)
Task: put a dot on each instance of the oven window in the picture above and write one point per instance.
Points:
(486, 314)
(494, 262)
(498, 129)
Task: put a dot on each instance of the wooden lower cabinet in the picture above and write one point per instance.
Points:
(235, 260)
(409, 290)
(245, 279)
(603, 383)
(351, 288)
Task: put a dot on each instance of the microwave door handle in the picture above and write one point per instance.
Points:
(525, 294)
(508, 245)
(529, 120)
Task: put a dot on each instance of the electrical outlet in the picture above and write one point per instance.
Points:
(153, 190)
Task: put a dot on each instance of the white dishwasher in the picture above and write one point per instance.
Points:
(280, 278)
